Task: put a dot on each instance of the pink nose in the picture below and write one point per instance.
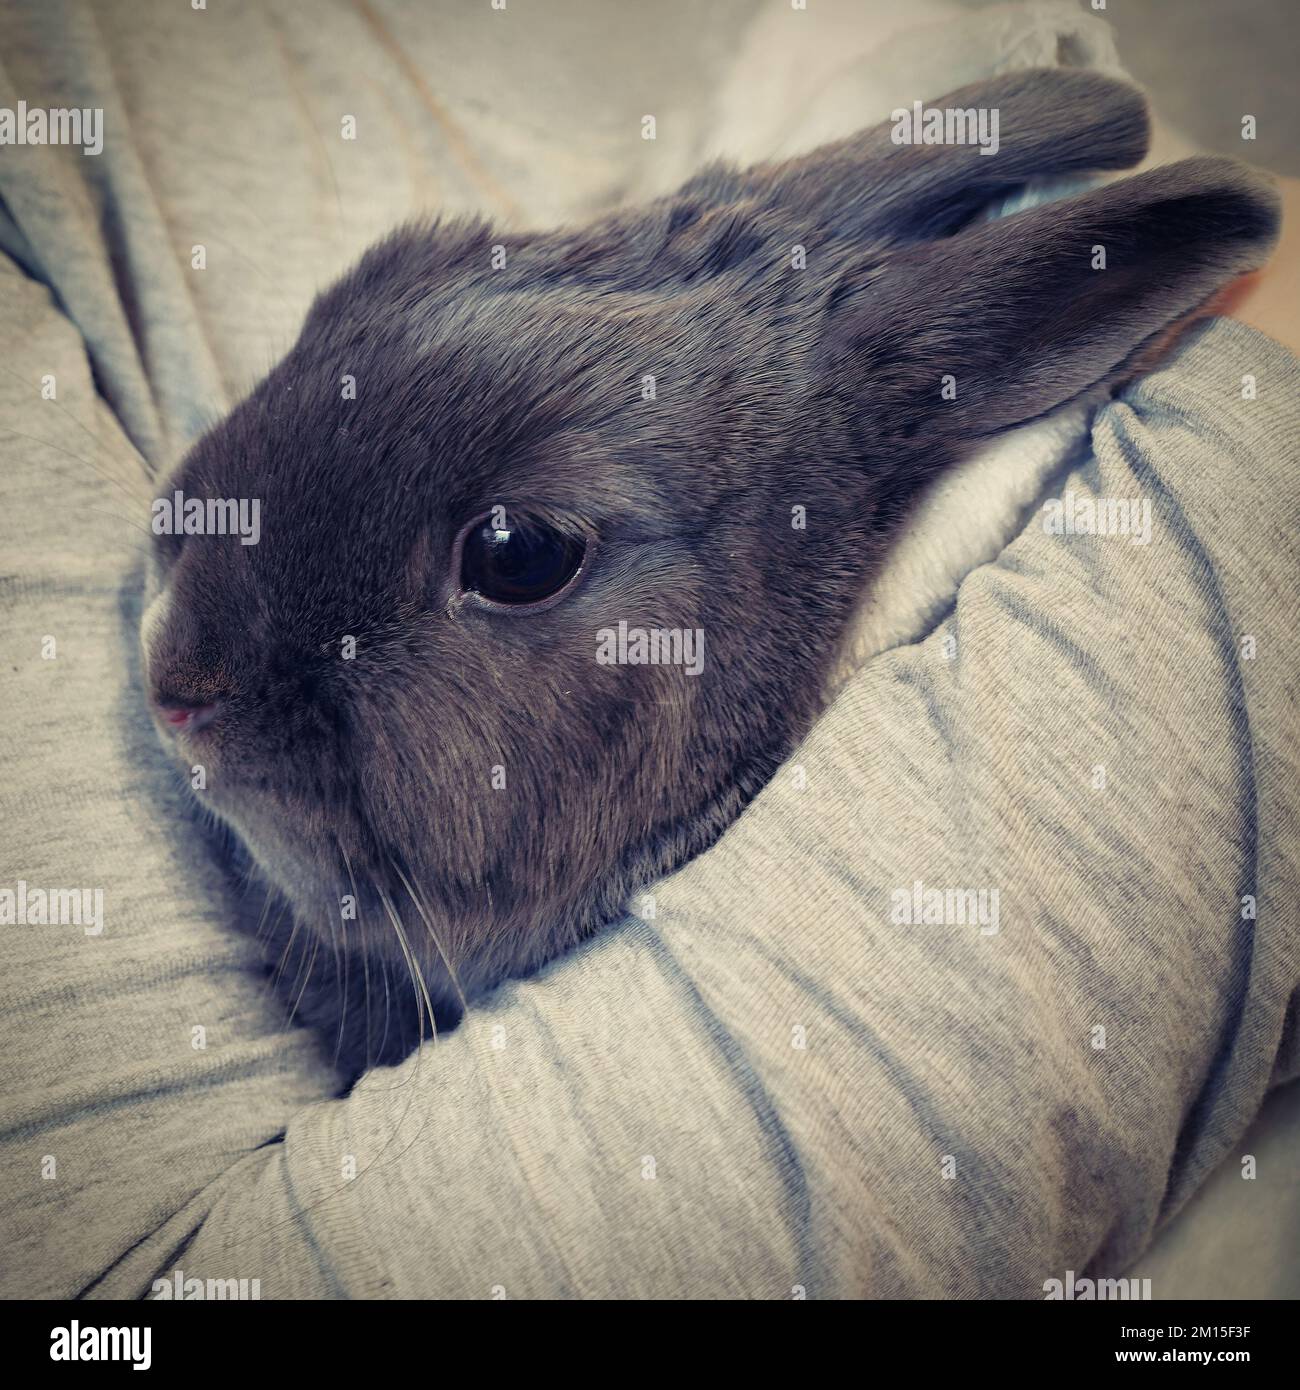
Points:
(186, 719)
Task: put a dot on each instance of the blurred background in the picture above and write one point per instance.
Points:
(1247, 52)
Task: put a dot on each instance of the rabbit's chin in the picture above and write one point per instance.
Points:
(327, 908)
(312, 890)
(392, 917)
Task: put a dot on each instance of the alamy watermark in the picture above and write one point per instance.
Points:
(946, 125)
(1085, 1290)
(651, 646)
(179, 1288)
(59, 125)
(179, 515)
(1076, 515)
(946, 907)
(77, 1343)
(22, 906)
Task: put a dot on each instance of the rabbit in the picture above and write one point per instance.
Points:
(702, 416)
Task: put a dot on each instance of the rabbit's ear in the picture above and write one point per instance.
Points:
(925, 174)
(960, 338)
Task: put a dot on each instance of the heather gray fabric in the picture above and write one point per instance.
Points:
(771, 1085)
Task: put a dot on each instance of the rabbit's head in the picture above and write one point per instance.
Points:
(557, 534)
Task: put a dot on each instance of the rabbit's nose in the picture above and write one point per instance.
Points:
(181, 717)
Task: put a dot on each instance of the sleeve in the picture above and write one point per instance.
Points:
(141, 1053)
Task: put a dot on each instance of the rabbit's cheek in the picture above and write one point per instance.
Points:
(154, 618)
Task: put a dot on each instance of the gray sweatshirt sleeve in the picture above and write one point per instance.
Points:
(976, 993)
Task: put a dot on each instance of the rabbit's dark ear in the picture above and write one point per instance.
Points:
(1043, 122)
(963, 337)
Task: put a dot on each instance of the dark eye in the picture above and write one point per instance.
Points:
(519, 564)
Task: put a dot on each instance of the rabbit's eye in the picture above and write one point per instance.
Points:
(523, 564)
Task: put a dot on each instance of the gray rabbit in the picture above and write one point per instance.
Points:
(435, 703)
